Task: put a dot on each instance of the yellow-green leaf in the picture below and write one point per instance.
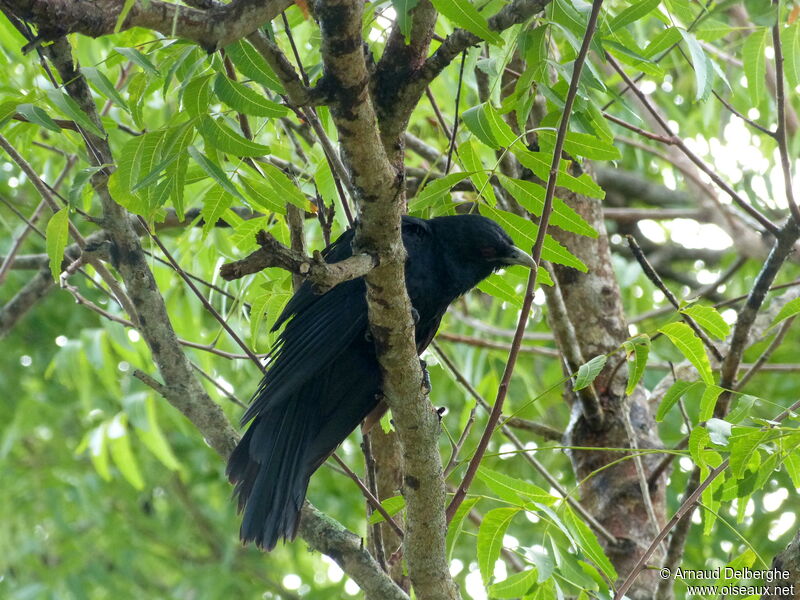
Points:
(250, 63)
(531, 196)
(244, 100)
(285, 189)
(490, 538)
(225, 139)
(709, 319)
(639, 349)
(57, 233)
(463, 14)
(755, 63)
(691, 347)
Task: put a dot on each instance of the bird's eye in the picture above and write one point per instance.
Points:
(488, 252)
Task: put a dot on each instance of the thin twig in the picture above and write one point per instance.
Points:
(455, 118)
(376, 504)
(641, 475)
(492, 345)
(780, 131)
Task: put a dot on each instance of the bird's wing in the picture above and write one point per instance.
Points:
(319, 330)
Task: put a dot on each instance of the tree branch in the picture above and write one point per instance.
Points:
(214, 28)
(272, 253)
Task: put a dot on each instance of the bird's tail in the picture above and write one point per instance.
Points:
(270, 474)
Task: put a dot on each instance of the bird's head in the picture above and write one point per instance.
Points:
(477, 246)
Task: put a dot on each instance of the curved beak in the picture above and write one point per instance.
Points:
(518, 256)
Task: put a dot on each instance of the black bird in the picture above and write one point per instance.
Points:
(324, 378)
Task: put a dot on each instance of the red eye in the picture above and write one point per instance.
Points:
(489, 252)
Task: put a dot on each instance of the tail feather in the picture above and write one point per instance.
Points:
(270, 476)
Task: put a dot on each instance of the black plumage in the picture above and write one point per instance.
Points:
(324, 377)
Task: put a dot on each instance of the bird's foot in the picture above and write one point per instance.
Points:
(440, 412)
(414, 315)
(426, 377)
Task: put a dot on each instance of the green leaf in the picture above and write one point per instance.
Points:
(154, 174)
(792, 465)
(755, 63)
(744, 443)
(140, 59)
(79, 183)
(709, 401)
(488, 126)
(790, 44)
(197, 95)
(790, 309)
(471, 162)
(119, 442)
(539, 163)
(633, 13)
(123, 14)
(662, 42)
(741, 408)
(523, 232)
(463, 14)
(177, 142)
(70, 108)
(98, 451)
(262, 194)
(676, 391)
(125, 176)
(699, 438)
(37, 116)
(496, 286)
(513, 490)
(56, 234)
(244, 100)
(392, 505)
(700, 64)
(266, 303)
(587, 541)
(251, 64)
(150, 197)
(639, 348)
(225, 139)
(403, 10)
(285, 189)
(709, 319)
(490, 539)
(587, 372)
(435, 190)
(214, 171)
(457, 524)
(153, 439)
(684, 339)
(137, 86)
(215, 202)
(515, 586)
(581, 144)
(531, 196)
(101, 83)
